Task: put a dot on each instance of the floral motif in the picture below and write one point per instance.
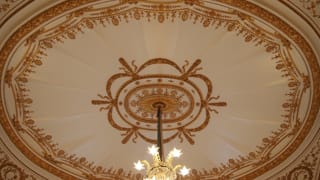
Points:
(313, 6)
(5, 6)
(9, 170)
(309, 164)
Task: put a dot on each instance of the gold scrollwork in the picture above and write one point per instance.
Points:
(5, 6)
(278, 42)
(313, 6)
(176, 92)
(9, 170)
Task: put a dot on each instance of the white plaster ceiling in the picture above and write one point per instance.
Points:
(247, 88)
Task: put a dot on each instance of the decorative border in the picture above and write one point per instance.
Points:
(161, 17)
(315, 73)
(11, 7)
(308, 166)
(9, 170)
(303, 15)
(313, 6)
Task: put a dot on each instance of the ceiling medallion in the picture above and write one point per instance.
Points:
(186, 106)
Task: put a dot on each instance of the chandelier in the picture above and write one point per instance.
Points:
(161, 169)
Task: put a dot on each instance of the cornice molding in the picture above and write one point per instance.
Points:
(307, 166)
(11, 7)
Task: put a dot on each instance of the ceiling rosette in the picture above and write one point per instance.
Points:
(182, 101)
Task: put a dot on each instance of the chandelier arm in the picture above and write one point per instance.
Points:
(146, 163)
(169, 158)
(178, 166)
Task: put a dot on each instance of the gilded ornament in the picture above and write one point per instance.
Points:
(10, 170)
(182, 100)
(239, 23)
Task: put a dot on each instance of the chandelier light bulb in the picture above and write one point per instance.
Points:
(153, 150)
(176, 152)
(139, 166)
(184, 171)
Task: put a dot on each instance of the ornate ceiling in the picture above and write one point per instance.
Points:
(239, 82)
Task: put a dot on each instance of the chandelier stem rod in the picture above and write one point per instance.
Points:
(159, 132)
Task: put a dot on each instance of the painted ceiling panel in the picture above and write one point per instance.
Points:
(80, 82)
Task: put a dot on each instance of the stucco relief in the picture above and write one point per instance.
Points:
(9, 8)
(308, 10)
(306, 167)
(248, 37)
(9, 169)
